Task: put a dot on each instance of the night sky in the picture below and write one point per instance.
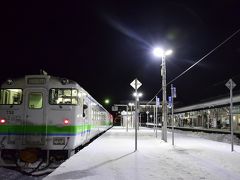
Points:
(105, 45)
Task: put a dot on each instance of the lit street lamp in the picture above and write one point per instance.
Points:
(158, 52)
(138, 95)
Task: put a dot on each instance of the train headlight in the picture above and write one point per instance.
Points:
(2, 121)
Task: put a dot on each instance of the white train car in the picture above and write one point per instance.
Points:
(47, 118)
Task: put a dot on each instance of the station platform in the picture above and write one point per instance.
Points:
(112, 157)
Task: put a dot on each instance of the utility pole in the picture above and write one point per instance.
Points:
(164, 102)
(158, 52)
(157, 105)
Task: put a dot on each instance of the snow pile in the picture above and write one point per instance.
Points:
(212, 136)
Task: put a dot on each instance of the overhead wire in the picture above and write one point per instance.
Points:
(201, 59)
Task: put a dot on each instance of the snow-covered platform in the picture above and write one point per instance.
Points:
(112, 157)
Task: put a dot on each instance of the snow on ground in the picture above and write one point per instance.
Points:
(212, 136)
(112, 156)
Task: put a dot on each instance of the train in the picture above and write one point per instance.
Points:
(46, 119)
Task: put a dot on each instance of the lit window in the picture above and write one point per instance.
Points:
(10, 96)
(35, 100)
(63, 96)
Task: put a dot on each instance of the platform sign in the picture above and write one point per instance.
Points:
(114, 108)
(170, 101)
(174, 92)
(135, 84)
(157, 101)
(230, 84)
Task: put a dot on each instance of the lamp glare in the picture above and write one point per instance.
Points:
(158, 52)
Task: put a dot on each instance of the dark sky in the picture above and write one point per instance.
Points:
(104, 45)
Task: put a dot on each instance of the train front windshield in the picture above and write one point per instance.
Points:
(10, 96)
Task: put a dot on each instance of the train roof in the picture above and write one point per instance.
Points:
(210, 104)
(38, 79)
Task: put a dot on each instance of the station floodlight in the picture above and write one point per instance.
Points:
(158, 52)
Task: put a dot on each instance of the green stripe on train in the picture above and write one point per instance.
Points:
(51, 129)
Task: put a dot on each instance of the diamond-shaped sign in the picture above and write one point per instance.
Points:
(136, 84)
(230, 84)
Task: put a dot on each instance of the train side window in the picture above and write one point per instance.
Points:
(11, 96)
(35, 100)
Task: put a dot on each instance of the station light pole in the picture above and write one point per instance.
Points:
(147, 112)
(131, 105)
(158, 52)
(136, 84)
(137, 96)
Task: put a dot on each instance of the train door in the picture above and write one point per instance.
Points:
(35, 127)
(86, 112)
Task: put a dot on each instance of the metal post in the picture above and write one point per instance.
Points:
(208, 116)
(147, 118)
(127, 118)
(140, 121)
(131, 117)
(136, 116)
(230, 85)
(231, 116)
(121, 120)
(138, 113)
(156, 119)
(173, 122)
(164, 103)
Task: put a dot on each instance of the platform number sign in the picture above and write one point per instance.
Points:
(170, 101)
